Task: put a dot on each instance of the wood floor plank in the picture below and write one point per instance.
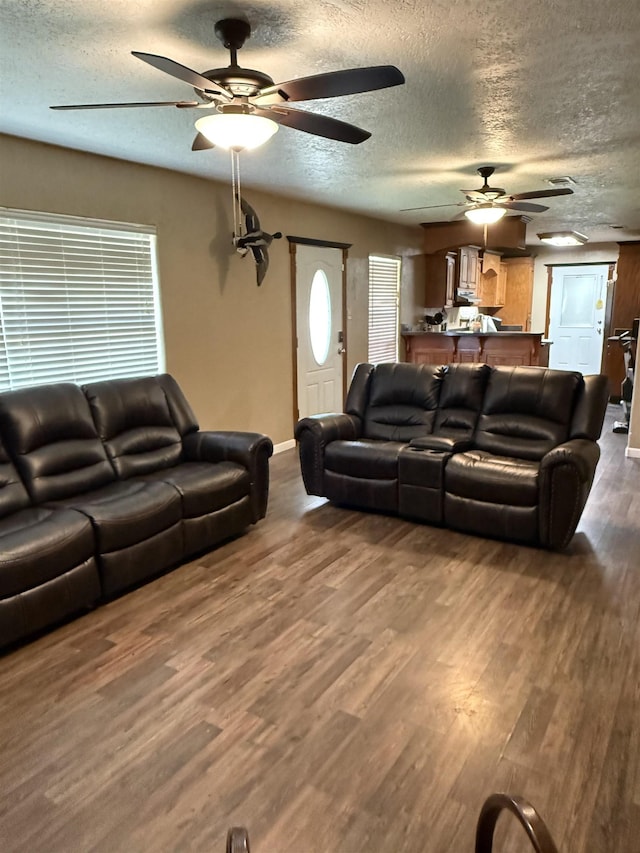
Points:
(341, 680)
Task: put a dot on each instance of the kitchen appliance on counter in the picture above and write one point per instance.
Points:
(435, 322)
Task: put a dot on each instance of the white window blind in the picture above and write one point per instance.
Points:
(79, 300)
(384, 291)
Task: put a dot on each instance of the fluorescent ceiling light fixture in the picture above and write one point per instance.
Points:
(238, 131)
(563, 238)
(485, 214)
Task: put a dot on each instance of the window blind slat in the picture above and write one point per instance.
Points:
(78, 300)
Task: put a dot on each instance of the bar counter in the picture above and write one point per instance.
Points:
(494, 348)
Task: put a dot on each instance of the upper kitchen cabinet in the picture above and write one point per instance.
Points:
(469, 261)
(452, 277)
(516, 310)
(440, 280)
(493, 280)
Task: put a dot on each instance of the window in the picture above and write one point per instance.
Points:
(320, 317)
(79, 300)
(384, 292)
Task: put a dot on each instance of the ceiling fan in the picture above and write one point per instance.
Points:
(491, 203)
(234, 91)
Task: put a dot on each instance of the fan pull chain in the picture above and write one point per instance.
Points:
(239, 195)
(234, 201)
(236, 191)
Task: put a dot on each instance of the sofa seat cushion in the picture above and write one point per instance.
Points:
(206, 486)
(39, 544)
(125, 513)
(365, 458)
(482, 476)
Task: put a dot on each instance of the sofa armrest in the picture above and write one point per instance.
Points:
(250, 449)
(313, 434)
(566, 475)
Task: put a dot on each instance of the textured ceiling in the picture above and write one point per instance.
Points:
(539, 90)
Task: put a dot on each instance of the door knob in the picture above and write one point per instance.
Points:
(341, 350)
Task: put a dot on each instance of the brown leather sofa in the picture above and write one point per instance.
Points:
(508, 452)
(104, 486)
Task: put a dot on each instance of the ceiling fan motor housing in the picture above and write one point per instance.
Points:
(233, 32)
(243, 82)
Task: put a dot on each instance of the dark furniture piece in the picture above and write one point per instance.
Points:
(501, 451)
(104, 486)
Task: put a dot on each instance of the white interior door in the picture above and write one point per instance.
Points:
(576, 317)
(319, 329)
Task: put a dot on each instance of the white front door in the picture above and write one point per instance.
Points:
(319, 329)
(576, 317)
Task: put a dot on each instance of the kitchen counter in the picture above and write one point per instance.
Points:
(494, 348)
(464, 332)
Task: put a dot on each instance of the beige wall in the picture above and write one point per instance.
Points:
(227, 341)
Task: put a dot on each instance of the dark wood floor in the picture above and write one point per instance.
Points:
(341, 681)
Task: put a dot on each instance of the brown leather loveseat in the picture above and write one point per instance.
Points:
(104, 486)
(509, 452)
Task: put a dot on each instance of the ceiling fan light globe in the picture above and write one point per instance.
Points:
(485, 214)
(237, 131)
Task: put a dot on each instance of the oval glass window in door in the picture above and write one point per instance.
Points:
(320, 316)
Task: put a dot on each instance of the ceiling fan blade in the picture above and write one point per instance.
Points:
(187, 75)
(334, 83)
(543, 193)
(432, 206)
(201, 143)
(181, 104)
(317, 124)
(516, 205)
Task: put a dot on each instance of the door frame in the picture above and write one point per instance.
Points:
(294, 242)
(606, 326)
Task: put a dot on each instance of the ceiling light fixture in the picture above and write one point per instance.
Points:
(485, 214)
(563, 238)
(237, 130)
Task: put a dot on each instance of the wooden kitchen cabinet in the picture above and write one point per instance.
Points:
(496, 348)
(491, 288)
(440, 284)
(516, 309)
(468, 261)
(501, 292)
(451, 277)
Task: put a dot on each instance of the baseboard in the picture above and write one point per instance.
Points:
(633, 452)
(284, 445)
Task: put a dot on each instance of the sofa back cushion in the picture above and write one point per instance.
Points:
(49, 433)
(359, 389)
(463, 388)
(526, 411)
(403, 399)
(591, 407)
(133, 419)
(181, 412)
(13, 495)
